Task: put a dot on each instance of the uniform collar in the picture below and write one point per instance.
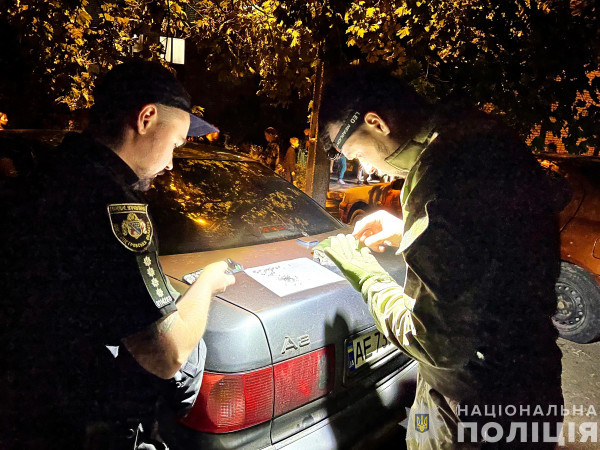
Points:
(102, 155)
(407, 154)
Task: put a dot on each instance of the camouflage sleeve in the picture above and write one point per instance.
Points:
(431, 328)
(435, 317)
(391, 311)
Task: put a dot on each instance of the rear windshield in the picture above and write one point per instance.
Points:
(207, 205)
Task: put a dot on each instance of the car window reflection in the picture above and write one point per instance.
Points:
(210, 204)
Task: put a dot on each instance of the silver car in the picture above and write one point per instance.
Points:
(294, 359)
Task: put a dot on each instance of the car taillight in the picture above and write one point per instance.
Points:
(230, 402)
(303, 379)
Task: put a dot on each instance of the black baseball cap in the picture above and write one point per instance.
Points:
(133, 84)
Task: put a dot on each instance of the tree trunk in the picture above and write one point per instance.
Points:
(317, 165)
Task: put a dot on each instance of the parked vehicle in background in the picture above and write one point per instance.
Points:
(578, 288)
(363, 200)
(293, 356)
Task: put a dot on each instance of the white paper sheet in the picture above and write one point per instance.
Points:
(291, 276)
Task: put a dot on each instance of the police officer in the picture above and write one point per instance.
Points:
(480, 241)
(100, 329)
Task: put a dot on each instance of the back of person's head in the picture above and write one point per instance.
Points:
(271, 131)
(366, 89)
(126, 89)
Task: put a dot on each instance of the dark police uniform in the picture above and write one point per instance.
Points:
(84, 270)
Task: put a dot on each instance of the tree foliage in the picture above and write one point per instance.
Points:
(531, 61)
(70, 47)
(280, 41)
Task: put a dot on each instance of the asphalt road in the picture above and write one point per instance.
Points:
(581, 387)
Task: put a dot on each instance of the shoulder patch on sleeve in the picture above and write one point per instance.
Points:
(131, 225)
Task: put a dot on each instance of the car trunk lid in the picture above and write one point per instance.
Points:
(301, 323)
(296, 323)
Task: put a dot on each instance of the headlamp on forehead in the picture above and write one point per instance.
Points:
(349, 126)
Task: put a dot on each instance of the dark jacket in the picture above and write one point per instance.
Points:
(78, 278)
(481, 245)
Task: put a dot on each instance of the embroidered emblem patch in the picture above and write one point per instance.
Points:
(131, 225)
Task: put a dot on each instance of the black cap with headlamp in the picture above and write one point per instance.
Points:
(349, 126)
(417, 143)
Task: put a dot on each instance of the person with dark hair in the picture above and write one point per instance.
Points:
(101, 332)
(270, 157)
(288, 163)
(479, 236)
(303, 149)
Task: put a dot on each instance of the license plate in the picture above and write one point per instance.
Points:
(366, 348)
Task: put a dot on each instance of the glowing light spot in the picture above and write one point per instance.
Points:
(199, 221)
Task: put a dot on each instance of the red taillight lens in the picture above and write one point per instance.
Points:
(303, 379)
(229, 402)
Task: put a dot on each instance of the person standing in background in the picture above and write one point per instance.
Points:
(289, 160)
(271, 153)
(303, 150)
(342, 172)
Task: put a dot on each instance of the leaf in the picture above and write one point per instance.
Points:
(83, 18)
(403, 32)
(296, 38)
(401, 11)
